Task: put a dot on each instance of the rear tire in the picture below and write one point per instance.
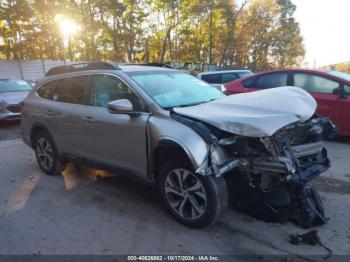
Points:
(47, 154)
(194, 200)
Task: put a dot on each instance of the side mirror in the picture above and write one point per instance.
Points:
(120, 106)
(339, 91)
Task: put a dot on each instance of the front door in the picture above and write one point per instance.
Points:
(328, 104)
(116, 140)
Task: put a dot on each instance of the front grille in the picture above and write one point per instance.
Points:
(14, 108)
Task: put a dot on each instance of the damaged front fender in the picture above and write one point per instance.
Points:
(217, 162)
(192, 144)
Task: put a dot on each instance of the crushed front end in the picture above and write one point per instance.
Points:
(269, 176)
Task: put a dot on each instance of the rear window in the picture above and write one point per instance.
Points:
(272, 80)
(228, 77)
(11, 85)
(212, 78)
(71, 90)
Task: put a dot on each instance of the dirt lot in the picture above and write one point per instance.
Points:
(91, 212)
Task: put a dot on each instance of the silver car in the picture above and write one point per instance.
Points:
(175, 132)
(219, 78)
(12, 93)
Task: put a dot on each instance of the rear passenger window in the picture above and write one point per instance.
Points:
(228, 77)
(272, 80)
(46, 90)
(249, 82)
(71, 90)
(212, 78)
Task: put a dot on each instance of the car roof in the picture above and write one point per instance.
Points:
(299, 70)
(142, 68)
(225, 71)
(121, 68)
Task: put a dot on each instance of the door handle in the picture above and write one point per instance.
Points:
(88, 119)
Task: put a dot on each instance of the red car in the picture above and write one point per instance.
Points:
(331, 90)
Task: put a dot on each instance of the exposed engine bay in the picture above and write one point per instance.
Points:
(269, 175)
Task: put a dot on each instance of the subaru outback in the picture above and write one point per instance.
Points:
(179, 134)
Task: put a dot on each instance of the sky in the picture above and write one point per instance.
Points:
(325, 27)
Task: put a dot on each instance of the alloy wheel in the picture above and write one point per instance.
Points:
(185, 194)
(45, 153)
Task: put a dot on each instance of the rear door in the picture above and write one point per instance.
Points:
(265, 81)
(328, 104)
(115, 140)
(64, 116)
(271, 80)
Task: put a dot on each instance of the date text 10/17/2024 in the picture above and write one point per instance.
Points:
(173, 258)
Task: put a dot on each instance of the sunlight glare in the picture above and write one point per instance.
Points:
(68, 27)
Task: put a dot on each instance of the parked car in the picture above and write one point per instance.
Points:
(31, 82)
(12, 92)
(218, 78)
(330, 90)
(178, 133)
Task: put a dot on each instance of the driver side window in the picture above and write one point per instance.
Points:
(314, 83)
(106, 88)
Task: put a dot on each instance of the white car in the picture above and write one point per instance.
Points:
(218, 78)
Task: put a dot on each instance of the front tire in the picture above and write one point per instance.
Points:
(47, 154)
(194, 200)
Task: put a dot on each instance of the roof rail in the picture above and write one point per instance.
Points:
(158, 65)
(81, 67)
(155, 64)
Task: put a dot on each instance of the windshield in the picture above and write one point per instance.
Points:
(244, 74)
(340, 74)
(10, 85)
(175, 89)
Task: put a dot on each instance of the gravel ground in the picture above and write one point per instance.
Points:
(10, 131)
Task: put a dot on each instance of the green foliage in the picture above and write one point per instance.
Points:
(261, 34)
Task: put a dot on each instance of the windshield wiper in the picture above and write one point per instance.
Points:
(197, 103)
(192, 104)
(186, 105)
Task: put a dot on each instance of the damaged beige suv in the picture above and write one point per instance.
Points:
(176, 132)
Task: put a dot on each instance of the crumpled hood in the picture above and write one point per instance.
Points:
(255, 114)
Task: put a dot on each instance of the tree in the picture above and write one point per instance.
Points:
(260, 34)
(15, 16)
(268, 36)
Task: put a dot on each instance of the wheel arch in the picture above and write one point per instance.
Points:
(169, 148)
(35, 130)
